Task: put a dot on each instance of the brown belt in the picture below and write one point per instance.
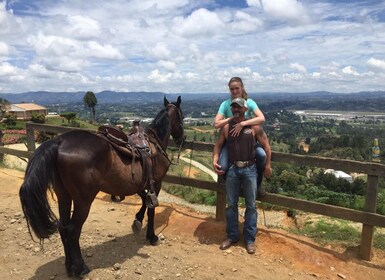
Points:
(242, 164)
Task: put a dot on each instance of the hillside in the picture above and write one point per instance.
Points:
(360, 101)
(188, 248)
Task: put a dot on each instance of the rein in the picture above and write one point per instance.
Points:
(180, 123)
(153, 137)
(156, 140)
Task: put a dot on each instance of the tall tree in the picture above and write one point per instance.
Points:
(90, 101)
(4, 104)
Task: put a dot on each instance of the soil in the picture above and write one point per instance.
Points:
(188, 246)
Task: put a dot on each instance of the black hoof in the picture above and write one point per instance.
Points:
(153, 240)
(82, 271)
(136, 226)
(115, 199)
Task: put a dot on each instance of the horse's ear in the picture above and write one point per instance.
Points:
(165, 101)
(178, 101)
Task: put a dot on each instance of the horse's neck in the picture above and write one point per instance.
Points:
(162, 141)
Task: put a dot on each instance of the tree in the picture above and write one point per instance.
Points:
(90, 101)
(69, 116)
(4, 104)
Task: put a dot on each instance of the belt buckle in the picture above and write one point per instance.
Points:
(240, 164)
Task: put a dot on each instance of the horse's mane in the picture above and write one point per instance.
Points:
(160, 124)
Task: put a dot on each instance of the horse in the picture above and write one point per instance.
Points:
(77, 165)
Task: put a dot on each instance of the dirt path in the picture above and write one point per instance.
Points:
(188, 248)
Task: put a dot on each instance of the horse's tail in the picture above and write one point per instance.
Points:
(39, 177)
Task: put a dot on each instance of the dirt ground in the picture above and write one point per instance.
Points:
(188, 247)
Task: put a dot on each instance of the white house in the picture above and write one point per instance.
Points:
(340, 174)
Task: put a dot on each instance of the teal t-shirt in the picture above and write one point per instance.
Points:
(225, 109)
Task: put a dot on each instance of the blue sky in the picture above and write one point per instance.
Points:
(190, 46)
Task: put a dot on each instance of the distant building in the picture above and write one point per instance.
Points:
(23, 111)
(339, 174)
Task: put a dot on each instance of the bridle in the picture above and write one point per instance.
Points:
(180, 116)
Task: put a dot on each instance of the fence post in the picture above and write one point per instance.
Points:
(370, 206)
(221, 200)
(30, 137)
(1, 144)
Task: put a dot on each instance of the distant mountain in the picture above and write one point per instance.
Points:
(113, 97)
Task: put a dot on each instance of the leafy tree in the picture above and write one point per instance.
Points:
(90, 101)
(3, 106)
(69, 116)
(38, 118)
(10, 121)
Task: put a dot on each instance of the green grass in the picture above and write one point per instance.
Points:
(188, 193)
(338, 232)
(59, 121)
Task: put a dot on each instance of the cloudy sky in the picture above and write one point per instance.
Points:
(192, 46)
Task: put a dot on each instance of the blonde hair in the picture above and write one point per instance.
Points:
(239, 80)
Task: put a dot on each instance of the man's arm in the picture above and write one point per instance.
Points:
(264, 142)
(217, 149)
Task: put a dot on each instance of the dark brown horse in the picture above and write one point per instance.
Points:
(77, 165)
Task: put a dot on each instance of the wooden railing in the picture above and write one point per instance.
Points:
(368, 217)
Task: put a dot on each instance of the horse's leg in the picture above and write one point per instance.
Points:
(65, 201)
(79, 216)
(138, 222)
(150, 235)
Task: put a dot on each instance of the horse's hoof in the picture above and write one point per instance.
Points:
(85, 271)
(82, 271)
(136, 226)
(153, 240)
(115, 199)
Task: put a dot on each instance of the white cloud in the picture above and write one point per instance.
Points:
(82, 27)
(7, 69)
(160, 51)
(4, 50)
(377, 64)
(201, 22)
(192, 46)
(245, 23)
(158, 77)
(94, 49)
(168, 65)
(298, 67)
(350, 70)
(291, 11)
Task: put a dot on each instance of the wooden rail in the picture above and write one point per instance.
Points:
(368, 217)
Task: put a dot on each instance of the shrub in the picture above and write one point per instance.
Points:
(38, 118)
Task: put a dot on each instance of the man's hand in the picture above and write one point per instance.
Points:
(267, 172)
(217, 169)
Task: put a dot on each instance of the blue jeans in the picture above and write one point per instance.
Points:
(237, 178)
(260, 159)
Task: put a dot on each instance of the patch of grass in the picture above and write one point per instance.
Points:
(190, 194)
(324, 232)
(338, 232)
(379, 240)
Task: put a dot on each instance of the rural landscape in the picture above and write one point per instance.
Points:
(108, 125)
(298, 124)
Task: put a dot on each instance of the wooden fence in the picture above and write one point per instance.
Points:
(368, 217)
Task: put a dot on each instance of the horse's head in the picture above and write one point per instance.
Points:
(176, 120)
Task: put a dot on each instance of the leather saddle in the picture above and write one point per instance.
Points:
(135, 145)
(128, 145)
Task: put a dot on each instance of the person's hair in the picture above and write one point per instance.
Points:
(239, 80)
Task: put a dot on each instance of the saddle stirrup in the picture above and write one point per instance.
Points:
(151, 198)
